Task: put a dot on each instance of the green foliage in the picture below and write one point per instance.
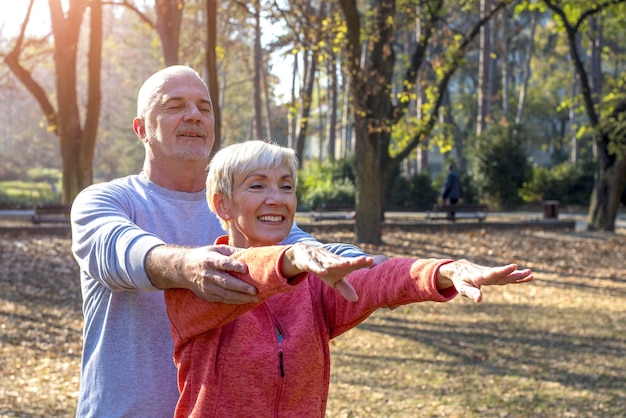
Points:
(499, 166)
(47, 175)
(568, 183)
(325, 183)
(415, 193)
(25, 195)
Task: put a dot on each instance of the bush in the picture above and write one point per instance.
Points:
(499, 167)
(325, 183)
(47, 175)
(568, 183)
(415, 193)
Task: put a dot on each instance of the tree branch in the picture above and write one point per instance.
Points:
(12, 60)
(130, 6)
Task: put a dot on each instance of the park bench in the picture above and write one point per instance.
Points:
(466, 210)
(51, 212)
(333, 211)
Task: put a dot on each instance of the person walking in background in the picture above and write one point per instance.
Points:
(271, 358)
(452, 190)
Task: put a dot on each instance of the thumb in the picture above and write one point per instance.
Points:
(472, 293)
(347, 291)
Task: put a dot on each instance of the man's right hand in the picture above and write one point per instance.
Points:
(203, 270)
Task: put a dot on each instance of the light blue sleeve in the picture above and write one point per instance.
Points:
(344, 250)
(108, 246)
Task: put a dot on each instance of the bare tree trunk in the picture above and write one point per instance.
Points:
(268, 103)
(526, 72)
(77, 143)
(258, 68)
(346, 125)
(331, 124)
(211, 66)
(504, 62)
(94, 96)
(292, 115)
(484, 84)
(421, 158)
(321, 121)
(306, 94)
(572, 123)
(169, 17)
(595, 27)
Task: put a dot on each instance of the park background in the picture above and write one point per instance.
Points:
(527, 97)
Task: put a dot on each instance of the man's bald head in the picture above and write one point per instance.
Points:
(152, 88)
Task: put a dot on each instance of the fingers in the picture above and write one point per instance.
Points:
(468, 277)
(508, 274)
(213, 281)
(219, 258)
(225, 288)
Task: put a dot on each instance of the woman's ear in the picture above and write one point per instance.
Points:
(220, 203)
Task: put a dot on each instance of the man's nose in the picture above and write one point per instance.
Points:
(192, 112)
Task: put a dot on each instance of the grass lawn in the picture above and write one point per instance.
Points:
(25, 194)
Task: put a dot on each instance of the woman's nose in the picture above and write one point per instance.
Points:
(274, 196)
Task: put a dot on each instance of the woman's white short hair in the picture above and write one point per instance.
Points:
(243, 158)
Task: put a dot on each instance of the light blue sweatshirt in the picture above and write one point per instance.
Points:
(127, 368)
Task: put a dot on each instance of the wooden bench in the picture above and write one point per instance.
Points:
(333, 211)
(52, 213)
(467, 210)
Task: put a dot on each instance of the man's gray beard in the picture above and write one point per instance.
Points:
(192, 154)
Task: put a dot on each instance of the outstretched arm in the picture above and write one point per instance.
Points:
(331, 268)
(467, 277)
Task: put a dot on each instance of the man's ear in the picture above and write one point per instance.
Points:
(139, 127)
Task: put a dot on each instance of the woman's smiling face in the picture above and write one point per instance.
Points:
(262, 207)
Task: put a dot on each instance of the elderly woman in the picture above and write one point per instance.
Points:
(272, 358)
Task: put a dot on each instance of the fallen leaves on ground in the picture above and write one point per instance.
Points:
(554, 347)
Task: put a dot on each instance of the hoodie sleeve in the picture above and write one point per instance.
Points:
(395, 282)
(189, 315)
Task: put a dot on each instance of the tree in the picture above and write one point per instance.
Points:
(605, 119)
(484, 71)
(169, 17)
(77, 139)
(375, 109)
(212, 69)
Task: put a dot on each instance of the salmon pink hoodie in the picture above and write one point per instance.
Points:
(272, 358)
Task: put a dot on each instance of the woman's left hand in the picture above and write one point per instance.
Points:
(468, 277)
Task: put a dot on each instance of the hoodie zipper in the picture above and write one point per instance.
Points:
(280, 351)
(281, 370)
